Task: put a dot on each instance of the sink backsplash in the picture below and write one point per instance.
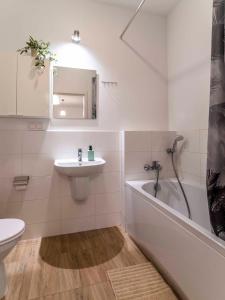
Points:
(47, 206)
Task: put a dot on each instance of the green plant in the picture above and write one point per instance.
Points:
(40, 50)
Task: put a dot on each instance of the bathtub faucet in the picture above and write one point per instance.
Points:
(154, 167)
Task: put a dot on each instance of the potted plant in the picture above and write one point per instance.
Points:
(39, 50)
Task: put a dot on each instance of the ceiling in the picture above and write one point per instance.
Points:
(161, 7)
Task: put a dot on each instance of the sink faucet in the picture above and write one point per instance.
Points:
(80, 155)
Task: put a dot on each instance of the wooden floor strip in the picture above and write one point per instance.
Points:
(73, 266)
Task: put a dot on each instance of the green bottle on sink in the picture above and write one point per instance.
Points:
(91, 154)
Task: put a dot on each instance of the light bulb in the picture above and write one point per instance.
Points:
(76, 37)
(62, 113)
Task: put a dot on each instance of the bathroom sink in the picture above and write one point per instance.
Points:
(74, 168)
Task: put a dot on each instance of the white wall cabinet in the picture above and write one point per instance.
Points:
(33, 88)
(24, 89)
(8, 78)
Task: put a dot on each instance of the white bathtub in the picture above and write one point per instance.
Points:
(189, 255)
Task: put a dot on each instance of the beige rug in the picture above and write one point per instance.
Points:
(142, 282)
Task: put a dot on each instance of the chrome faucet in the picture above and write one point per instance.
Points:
(155, 166)
(80, 155)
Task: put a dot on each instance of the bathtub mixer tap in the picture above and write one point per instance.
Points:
(154, 167)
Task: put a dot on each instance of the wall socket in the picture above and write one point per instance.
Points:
(36, 126)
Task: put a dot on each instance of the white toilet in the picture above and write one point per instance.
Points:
(11, 231)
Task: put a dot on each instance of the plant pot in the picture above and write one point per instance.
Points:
(33, 52)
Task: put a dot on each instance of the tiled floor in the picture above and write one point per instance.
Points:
(69, 267)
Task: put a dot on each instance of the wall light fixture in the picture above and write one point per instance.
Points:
(76, 36)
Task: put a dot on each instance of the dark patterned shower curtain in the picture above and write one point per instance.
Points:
(216, 142)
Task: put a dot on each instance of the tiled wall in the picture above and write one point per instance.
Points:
(192, 158)
(141, 147)
(46, 205)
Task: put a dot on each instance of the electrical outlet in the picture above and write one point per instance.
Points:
(35, 126)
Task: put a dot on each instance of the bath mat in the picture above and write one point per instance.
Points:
(139, 282)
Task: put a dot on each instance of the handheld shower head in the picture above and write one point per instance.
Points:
(177, 139)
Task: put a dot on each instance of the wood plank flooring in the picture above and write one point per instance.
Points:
(69, 267)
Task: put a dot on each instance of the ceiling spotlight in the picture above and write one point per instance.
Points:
(76, 36)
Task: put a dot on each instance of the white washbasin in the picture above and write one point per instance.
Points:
(74, 168)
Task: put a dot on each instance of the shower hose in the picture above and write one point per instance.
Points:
(156, 187)
(181, 186)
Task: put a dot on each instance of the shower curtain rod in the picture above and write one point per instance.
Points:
(136, 52)
(132, 19)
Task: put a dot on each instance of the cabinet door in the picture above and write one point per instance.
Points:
(8, 63)
(33, 88)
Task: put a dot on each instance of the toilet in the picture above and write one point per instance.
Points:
(11, 231)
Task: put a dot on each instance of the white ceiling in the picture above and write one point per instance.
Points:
(161, 7)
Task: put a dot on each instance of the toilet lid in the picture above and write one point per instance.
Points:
(10, 228)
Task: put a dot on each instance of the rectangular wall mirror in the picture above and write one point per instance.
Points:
(74, 93)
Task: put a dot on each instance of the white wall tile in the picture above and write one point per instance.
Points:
(10, 166)
(33, 142)
(8, 192)
(37, 211)
(108, 203)
(203, 141)
(190, 163)
(108, 220)
(72, 209)
(191, 140)
(37, 165)
(203, 181)
(11, 142)
(164, 159)
(42, 230)
(60, 185)
(108, 141)
(135, 161)
(52, 142)
(38, 188)
(105, 183)
(137, 141)
(78, 225)
(112, 158)
(203, 165)
(161, 140)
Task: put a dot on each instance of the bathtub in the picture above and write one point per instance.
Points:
(187, 253)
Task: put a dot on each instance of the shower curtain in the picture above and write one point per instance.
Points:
(216, 138)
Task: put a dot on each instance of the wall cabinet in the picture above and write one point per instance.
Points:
(24, 89)
(8, 82)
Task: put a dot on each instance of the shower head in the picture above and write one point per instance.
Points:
(177, 139)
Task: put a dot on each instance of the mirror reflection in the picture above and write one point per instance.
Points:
(74, 93)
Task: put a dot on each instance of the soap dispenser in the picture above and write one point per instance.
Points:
(91, 154)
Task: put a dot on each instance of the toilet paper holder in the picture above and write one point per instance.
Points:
(20, 181)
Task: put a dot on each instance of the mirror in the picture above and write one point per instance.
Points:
(74, 93)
